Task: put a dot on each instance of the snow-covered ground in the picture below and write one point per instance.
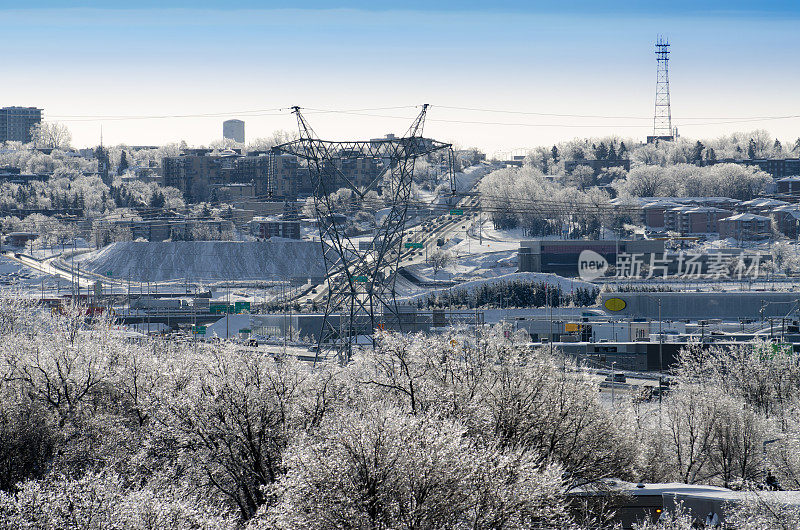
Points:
(480, 255)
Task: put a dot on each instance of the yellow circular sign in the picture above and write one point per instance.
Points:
(615, 304)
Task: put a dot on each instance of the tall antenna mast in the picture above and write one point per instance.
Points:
(662, 119)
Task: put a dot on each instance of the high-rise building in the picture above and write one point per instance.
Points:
(16, 123)
(233, 130)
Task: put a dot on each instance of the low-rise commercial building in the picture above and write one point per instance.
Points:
(266, 228)
(560, 256)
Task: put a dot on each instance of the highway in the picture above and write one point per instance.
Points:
(47, 266)
(444, 226)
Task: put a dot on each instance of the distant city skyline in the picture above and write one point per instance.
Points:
(550, 76)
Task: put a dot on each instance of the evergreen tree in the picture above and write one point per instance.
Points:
(751, 149)
(602, 152)
(622, 151)
(697, 151)
(157, 200)
(796, 146)
(123, 163)
(711, 155)
(21, 197)
(555, 154)
(612, 153)
(777, 147)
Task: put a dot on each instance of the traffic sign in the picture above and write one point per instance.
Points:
(413, 245)
(456, 211)
(109, 273)
(362, 279)
(200, 330)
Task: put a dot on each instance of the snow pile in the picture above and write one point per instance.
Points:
(208, 260)
(228, 326)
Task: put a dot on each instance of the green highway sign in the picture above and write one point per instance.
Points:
(244, 330)
(413, 245)
(200, 330)
(109, 273)
(456, 211)
(241, 306)
(362, 279)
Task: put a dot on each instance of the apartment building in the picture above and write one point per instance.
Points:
(745, 226)
(694, 219)
(16, 123)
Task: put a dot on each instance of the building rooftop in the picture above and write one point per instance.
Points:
(764, 202)
(746, 217)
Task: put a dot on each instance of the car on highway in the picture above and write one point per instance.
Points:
(616, 378)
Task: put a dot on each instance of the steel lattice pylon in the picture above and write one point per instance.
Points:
(361, 280)
(662, 120)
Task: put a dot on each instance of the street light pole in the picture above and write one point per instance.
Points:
(613, 382)
(550, 307)
(660, 340)
(660, 355)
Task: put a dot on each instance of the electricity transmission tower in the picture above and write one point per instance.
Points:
(662, 119)
(361, 271)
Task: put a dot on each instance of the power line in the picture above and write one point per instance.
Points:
(367, 112)
(243, 113)
(573, 125)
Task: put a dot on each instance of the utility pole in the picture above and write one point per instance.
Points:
(194, 325)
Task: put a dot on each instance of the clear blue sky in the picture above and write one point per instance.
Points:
(730, 60)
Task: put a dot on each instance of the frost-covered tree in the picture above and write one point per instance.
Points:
(381, 468)
(51, 135)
